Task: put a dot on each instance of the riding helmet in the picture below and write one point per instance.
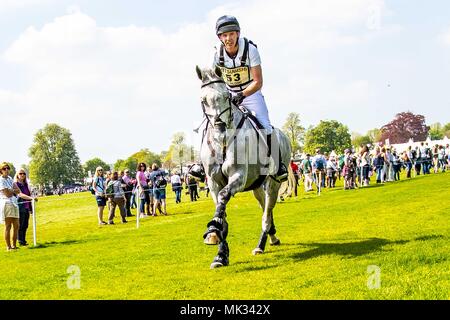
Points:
(227, 24)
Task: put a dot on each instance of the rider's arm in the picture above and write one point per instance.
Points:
(257, 82)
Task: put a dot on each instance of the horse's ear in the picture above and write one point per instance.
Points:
(199, 73)
(218, 71)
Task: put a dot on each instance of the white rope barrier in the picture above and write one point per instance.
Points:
(33, 207)
(138, 211)
(108, 195)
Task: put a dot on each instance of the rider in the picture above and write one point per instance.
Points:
(240, 63)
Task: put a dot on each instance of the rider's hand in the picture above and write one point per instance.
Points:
(238, 98)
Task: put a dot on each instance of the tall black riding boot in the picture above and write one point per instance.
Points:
(282, 172)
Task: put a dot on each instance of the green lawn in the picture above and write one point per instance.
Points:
(328, 244)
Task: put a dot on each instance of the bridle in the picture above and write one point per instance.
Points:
(221, 124)
(216, 118)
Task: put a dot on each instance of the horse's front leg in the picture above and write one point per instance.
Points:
(218, 227)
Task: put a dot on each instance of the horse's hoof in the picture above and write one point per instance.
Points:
(276, 243)
(219, 261)
(215, 265)
(257, 251)
(211, 239)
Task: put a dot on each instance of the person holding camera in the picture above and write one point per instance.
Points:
(116, 197)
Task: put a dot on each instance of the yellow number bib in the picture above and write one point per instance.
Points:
(236, 76)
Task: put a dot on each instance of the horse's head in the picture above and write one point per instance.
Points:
(215, 98)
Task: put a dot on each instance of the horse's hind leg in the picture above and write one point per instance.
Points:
(267, 199)
(271, 201)
(260, 196)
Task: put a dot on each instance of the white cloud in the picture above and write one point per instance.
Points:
(444, 38)
(141, 81)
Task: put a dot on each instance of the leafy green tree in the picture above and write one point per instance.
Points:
(166, 160)
(92, 164)
(436, 131)
(358, 140)
(328, 136)
(129, 163)
(446, 130)
(54, 159)
(144, 155)
(294, 131)
(179, 152)
(374, 135)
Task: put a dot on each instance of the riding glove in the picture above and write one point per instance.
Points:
(238, 98)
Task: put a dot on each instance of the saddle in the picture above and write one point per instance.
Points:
(257, 126)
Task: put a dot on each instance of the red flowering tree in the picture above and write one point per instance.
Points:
(405, 125)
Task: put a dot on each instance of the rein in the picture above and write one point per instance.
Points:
(245, 115)
(209, 116)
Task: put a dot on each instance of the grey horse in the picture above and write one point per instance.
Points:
(235, 157)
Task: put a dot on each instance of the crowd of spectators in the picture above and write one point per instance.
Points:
(383, 163)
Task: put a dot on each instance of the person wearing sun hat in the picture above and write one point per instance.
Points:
(9, 209)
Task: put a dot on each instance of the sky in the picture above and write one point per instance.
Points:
(120, 75)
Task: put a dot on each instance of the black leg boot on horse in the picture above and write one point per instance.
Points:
(217, 233)
(282, 171)
(268, 225)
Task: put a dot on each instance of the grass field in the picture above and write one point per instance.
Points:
(329, 244)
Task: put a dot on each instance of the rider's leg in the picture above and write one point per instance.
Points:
(256, 104)
(274, 152)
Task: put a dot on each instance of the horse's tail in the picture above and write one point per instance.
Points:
(288, 186)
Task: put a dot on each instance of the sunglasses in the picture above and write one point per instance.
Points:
(22, 174)
(6, 168)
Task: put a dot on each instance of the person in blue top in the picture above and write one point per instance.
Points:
(98, 184)
(157, 176)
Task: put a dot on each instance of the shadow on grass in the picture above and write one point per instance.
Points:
(430, 237)
(57, 243)
(349, 249)
(255, 268)
(372, 186)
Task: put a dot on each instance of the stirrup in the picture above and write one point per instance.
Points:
(282, 174)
